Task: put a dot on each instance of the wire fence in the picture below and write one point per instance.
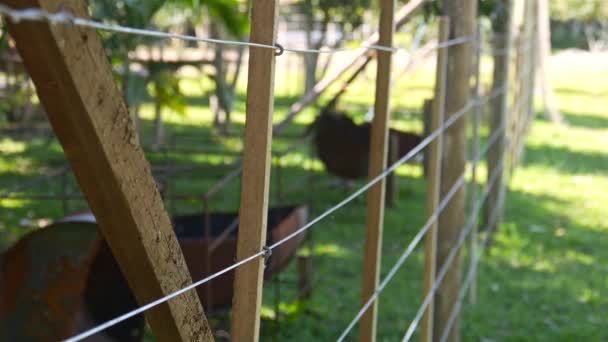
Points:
(67, 18)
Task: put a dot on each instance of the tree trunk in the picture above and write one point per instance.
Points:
(462, 14)
(222, 101)
(544, 32)
(311, 60)
(159, 130)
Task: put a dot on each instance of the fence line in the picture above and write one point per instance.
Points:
(467, 230)
(426, 226)
(34, 182)
(408, 251)
(468, 278)
(494, 216)
(452, 255)
(266, 251)
(67, 18)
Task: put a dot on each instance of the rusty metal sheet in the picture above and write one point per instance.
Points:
(42, 279)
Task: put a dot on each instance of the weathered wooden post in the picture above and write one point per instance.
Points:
(377, 164)
(256, 172)
(519, 91)
(433, 177)
(499, 105)
(75, 85)
(544, 32)
(427, 109)
(462, 15)
(532, 39)
(392, 188)
(401, 18)
(476, 159)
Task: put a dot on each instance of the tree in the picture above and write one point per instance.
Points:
(592, 14)
(159, 82)
(349, 15)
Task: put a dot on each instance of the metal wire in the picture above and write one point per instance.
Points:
(469, 277)
(64, 17)
(383, 175)
(446, 265)
(159, 301)
(34, 182)
(471, 272)
(426, 227)
(162, 300)
(408, 251)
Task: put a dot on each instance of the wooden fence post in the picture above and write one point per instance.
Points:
(544, 32)
(256, 172)
(498, 119)
(525, 79)
(377, 164)
(433, 179)
(427, 109)
(392, 188)
(476, 160)
(519, 91)
(75, 85)
(401, 18)
(532, 38)
(462, 15)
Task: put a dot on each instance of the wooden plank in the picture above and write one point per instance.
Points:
(377, 164)
(402, 17)
(435, 149)
(532, 30)
(392, 188)
(256, 172)
(476, 160)
(513, 117)
(427, 110)
(544, 32)
(499, 107)
(462, 15)
(75, 84)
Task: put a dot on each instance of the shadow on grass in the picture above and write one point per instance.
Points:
(574, 92)
(566, 160)
(586, 120)
(542, 262)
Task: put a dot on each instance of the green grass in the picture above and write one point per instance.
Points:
(545, 277)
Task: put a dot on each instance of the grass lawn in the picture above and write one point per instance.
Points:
(545, 277)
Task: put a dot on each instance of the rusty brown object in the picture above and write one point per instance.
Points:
(190, 231)
(42, 279)
(63, 279)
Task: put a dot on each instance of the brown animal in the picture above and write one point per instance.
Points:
(343, 146)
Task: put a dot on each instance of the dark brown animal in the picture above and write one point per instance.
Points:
(343, 146)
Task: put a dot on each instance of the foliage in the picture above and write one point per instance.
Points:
(543, 280)
(164, 88)
(231, 14)
(160, 82)
(486, 8)
(348, 12)
(584, 11)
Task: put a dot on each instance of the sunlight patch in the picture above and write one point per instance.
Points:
(331, 250)
(11, 146)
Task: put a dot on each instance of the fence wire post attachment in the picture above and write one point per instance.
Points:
(68, 19)
(266, 255)
(279, 49)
